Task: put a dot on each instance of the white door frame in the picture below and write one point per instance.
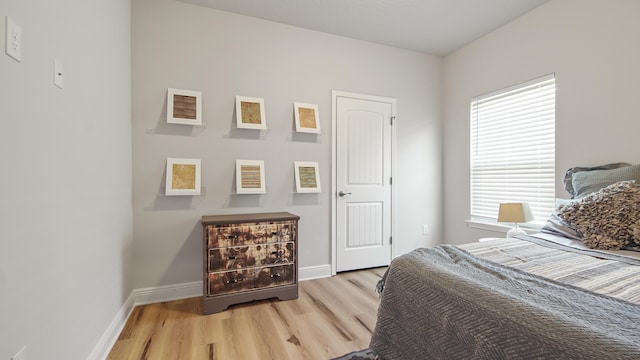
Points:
(334, 156)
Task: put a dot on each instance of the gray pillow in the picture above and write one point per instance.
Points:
(568, 175)
(587, 182)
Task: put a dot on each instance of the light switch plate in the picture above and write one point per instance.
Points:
(13, 41)
(58, 73)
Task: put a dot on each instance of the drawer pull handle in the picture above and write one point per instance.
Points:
(231, 257)
(276, 275)
(277, 253)
(233, 281)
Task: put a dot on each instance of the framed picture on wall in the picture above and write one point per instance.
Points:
(307, 177)
(250, 177)
(183, 176)
(307, 119)
(250, 113)
(184, 107)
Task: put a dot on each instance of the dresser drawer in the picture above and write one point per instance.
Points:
(285, 232)
(279, 253)
(228, 235)
(223, 236)
(236, 257)
(275, 276)
(230, 281)
(247, 279)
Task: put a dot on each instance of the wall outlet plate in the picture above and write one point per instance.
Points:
(13, 41)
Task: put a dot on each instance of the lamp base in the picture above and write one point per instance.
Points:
(515, 231)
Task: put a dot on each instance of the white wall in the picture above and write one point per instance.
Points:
(593, 47)
(66, 213)
(223, 55)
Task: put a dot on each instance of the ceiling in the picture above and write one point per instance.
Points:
(436, 27)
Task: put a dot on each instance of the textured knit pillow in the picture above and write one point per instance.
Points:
(608, 219)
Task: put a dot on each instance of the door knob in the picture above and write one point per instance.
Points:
(342, 193)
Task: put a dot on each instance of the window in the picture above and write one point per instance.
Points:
(513, 149)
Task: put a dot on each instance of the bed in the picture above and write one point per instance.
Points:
(571, 291)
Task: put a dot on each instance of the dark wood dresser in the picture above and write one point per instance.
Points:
(249, 257)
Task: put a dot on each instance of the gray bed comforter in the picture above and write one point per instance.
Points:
(443, 303)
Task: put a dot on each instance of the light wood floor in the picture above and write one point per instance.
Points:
(331, 317)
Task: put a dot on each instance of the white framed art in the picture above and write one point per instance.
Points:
(250, 177)
(307, 118)
(183, 177)
(307, 176)
(184, 107)
(250, 113)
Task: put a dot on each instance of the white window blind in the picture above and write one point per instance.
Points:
(513, 149)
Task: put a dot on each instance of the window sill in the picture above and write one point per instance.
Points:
(530, 228)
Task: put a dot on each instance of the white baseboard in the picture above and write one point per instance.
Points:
(156, 294)
(314, 272)
(108, 339)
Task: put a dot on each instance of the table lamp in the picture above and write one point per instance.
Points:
(515, 213)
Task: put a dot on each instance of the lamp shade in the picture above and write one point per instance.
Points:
(515, 213)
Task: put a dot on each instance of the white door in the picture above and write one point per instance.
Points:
(363, 196)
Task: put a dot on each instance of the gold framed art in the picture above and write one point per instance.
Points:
(183, 177)
(250, 113)
(306, 117)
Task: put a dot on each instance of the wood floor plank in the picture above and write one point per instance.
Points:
(331, 317)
